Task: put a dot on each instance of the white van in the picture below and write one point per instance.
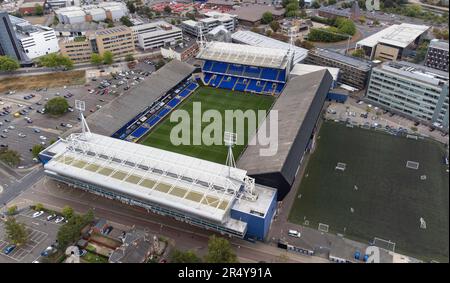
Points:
(294, 233)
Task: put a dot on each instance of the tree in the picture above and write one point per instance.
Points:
(159, 64)
(219, 251)
(71, 231)
(56, 106)
(38, 10)
(304, 43)
(358, 53)
(184, 257)
(67, 212)
(267, 17)
(8, 64)
(129, 58)
(96, 59)
(315, 5)
(362, 19)
(301, 4)
(12, 210)
(126, 21)
(16, 232)
(38, 206)
(108, 57)
(167, 9)
(269, 32)
(10, 157)
(55, 61)
(131, 7)
(421, 52)
(274, 25)
(331, 2)
(37, 148)
(173, 21)
(191, 16)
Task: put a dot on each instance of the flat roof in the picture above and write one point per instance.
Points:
(254, 12)
(292, 106)
(439, 44)
(303, 69)
(244, 54)
(416, 72)
(396, 35)
(259, 40)
(184, 183)
(358, 63)
(112, 116)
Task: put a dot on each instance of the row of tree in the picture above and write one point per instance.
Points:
(107, 58)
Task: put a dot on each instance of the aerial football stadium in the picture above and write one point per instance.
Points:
(121, 158)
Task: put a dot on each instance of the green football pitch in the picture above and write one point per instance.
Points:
(210, 99)
(376, 195)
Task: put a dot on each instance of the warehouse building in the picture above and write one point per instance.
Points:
(353, 71)
(393, 42)
(416, 91)
(88, 13)
(299, 108)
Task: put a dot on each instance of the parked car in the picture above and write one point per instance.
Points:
(9, 249)
(51, 217)
(107, 230)
(37, 214)
(42, 138)
(48, 251)
(36, 130)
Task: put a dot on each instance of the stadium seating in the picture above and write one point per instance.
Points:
(215, 81)
(252, 72)
(163, 112)
(228, 82)
(255, 86)
(269, 74)
(281, 76)
(219, 67)
(207, 78)
(207, 66)
(234, 69)
(269, 88)
(279, 88)
(174, 102)
(139, 132)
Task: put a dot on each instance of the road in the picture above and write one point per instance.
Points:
(186, 237)
(433, 7)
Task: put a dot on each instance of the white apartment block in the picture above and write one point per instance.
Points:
(35, 40)
(156, 34)
(212, 20)
(56, 4)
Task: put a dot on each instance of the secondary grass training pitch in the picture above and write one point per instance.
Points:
(377, 195)
(210, 98)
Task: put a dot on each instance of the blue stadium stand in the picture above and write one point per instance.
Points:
(152, 121)
(185, 93)
(235, 69)
(207, 78)
(269, 88)
(163, 112)
(240, 84)
(192, 86)
(139, 132)
(279, 88)
(228, 82)
(269, 74)
(207, 66)
(255, 86)
(215, 82)
(173, 103)
(252, 72)
(219, 67)
(281, 76)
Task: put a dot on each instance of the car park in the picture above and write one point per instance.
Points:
(36, 130)
(48, 251)
(3, 145)
(42, 138)
(59, 219)
(3, 136)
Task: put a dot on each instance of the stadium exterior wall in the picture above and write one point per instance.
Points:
(257, 226)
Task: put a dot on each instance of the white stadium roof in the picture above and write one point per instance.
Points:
(184, 183)
(396, 35)
(244, 54)
(259, 40)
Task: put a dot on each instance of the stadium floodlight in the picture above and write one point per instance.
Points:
(81, 106)
(230, 140)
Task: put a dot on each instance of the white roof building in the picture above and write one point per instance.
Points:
(396, 35)
(258, 40)
(243, 54)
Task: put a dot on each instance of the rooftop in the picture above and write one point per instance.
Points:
(191, 185)
(254, 12)
(292, 106)
(243, 54)
(439, 44)
(358, 63)
(396, 35)
(416, 72)
(117, 113)
(259, 40)
(303, 69)
(113, 30)
(335, 11)
(81, 27)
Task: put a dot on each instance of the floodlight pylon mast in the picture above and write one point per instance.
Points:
(230, 141)
(85, 131)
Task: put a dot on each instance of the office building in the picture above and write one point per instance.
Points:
(413, 90)
(212, 20)
(353, 71)
(9, 44)
(156, 34)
